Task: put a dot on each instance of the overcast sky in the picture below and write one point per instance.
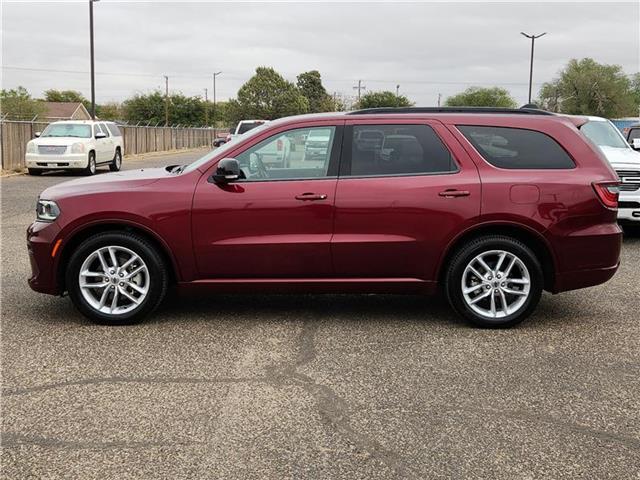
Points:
(426, 48)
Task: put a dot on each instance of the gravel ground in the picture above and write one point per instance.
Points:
(303, 386)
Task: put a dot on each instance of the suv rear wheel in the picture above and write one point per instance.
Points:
(116, 278)
(494, 281)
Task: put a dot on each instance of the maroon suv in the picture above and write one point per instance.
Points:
(490, 205)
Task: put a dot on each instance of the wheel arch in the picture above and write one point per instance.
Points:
(526, 235)
(79, 235)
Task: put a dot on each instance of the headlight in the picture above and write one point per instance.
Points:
(31, 147)
(77, 148)
(47, 210)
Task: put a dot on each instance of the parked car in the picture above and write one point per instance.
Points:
(632, 134)
(243, 127)
(492, 206)
(624, 159)
(75, 145)
(219, 141)
(316, 144)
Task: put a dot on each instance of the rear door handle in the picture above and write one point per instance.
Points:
(452, 193)
(311, 196)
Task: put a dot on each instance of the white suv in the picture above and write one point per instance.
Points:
(75, 144)
(625, 161)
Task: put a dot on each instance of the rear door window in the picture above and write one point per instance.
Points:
(403, 149)
(517, 148)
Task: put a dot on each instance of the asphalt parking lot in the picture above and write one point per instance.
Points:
(357, 387)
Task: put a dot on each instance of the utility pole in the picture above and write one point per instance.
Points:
(397, 94)
(533, 41)
(166, 101)
(206, 107)
(359, 87)
(214, 103)
(93, 72)
(439, 97)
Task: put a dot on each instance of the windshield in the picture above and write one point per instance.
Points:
(603, 134)
(79, 130)
(221, 150)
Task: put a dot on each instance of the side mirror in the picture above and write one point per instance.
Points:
(100, 135)
(636, 144)
(228, 171)
(37, 134)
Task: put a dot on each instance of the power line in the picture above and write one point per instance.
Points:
(243, 77)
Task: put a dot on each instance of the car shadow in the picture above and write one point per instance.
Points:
(342, 308)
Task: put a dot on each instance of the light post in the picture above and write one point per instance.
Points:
(213, 114)
(533, 41)
(93, 72)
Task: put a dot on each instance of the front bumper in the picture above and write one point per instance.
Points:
(629, 206)
(41, 237)
(67, 160)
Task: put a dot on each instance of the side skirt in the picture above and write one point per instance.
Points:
(311, 285)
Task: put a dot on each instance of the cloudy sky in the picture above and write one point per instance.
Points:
(428, 48)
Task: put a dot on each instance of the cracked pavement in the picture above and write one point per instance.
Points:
(304, 386)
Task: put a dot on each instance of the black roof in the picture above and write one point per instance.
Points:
(511, 111)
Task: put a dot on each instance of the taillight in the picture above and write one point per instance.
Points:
(279, 145)
(607, 193)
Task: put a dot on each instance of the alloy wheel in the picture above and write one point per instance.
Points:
(496, 284)
(114, 280)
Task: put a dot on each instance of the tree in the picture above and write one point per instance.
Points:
(110, 111)
(635, 92)
(18, 104)
(383, 99)
(267, 95)
(150, 108)
(586, 87)
(52, 95)
(310, 85)
(63, 96)
(482, 97)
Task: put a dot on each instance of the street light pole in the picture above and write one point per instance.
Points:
(93, 73)
(533, 41)
(213, 114)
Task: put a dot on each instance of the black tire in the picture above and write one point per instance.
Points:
(116, 163)
(35, 171)
(91, 164)
(158, 277)
(458, 264)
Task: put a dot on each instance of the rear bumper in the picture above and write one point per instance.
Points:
(588, 257)
(41, 237)
(583, 278)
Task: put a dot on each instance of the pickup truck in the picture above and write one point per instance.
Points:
(243, 127)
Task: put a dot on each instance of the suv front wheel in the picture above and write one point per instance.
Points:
(494, 281)
(116, 278)
(91, 164)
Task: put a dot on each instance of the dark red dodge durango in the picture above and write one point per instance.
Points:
(490, 205)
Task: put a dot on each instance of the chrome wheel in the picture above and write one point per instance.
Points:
(92, 165)
(496, 284)
(114, 280)
(118, 160)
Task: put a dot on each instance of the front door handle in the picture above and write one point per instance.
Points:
(453, 193)
(311, 196)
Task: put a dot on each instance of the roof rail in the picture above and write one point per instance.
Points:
(520, 111)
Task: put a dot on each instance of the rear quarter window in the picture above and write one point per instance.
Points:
(517, 148)
(115, 131)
